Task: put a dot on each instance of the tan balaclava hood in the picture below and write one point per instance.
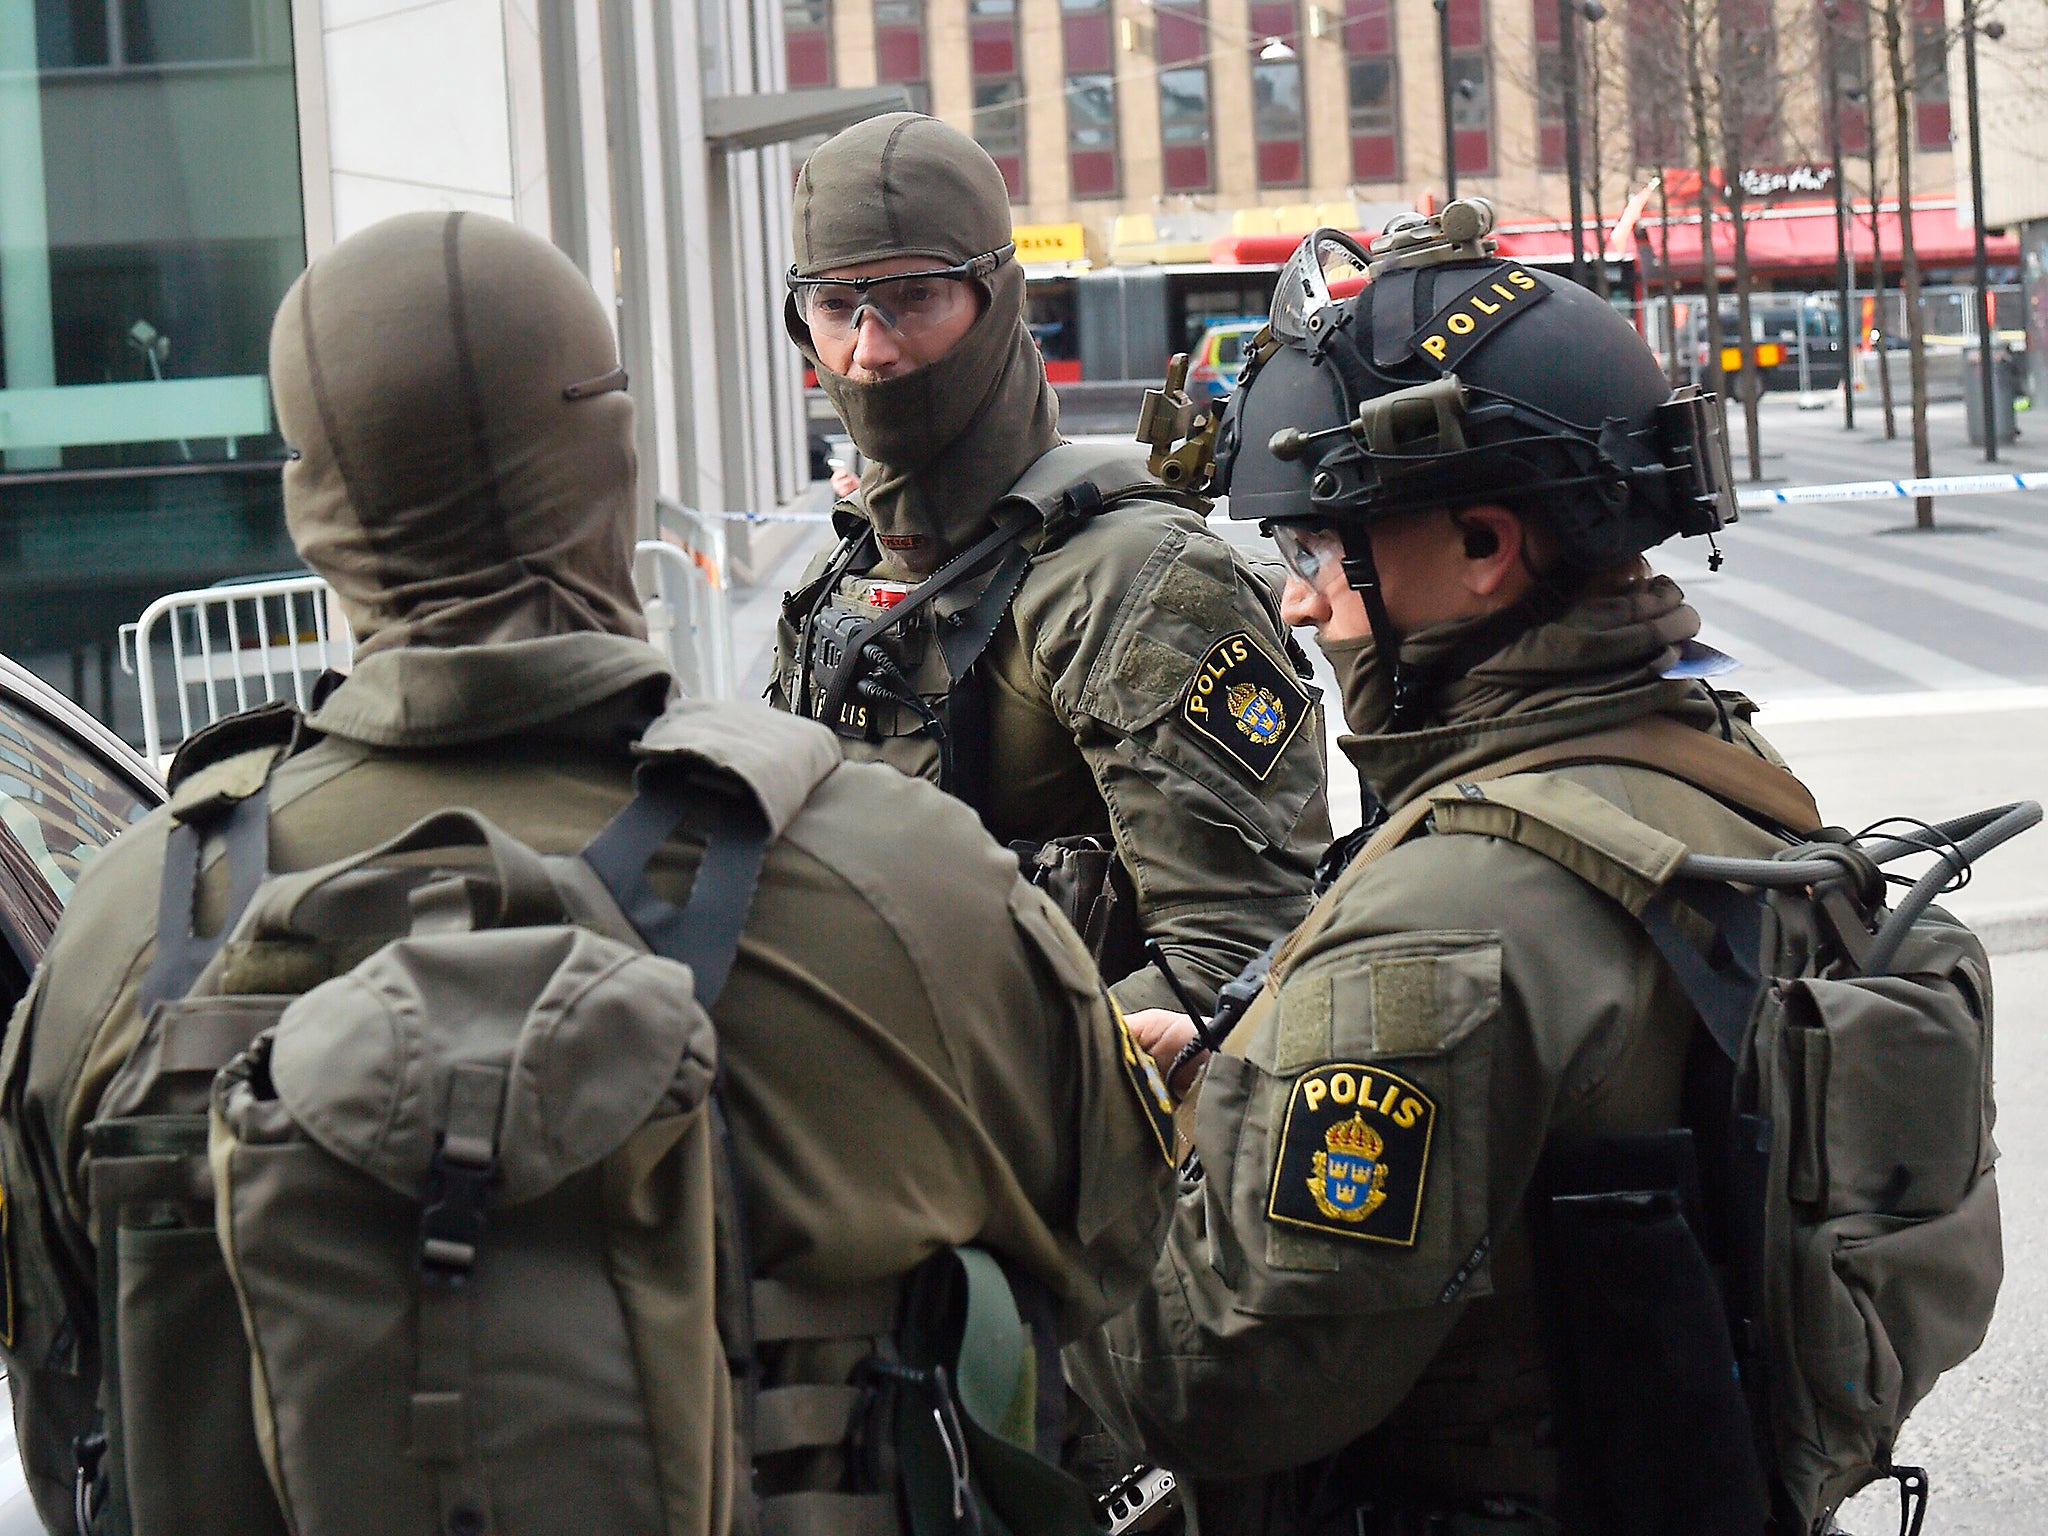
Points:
(462, 444)
(946, 442)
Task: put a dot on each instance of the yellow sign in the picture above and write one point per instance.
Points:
(1049, 242)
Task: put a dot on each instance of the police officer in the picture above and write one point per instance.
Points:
(1463, 465)
(1039, 627)
(463, 474)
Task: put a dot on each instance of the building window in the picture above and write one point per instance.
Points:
(1091, 97)
(1749, 103)
(999, 129)
(1656, 83)
(1091, 135)
(899, 47)
(1375, 111)
(153, 222)
(1471, 103)
(1184, 128)
(1277, 122)
(807, 41)
(1181, 45)
(1277, 118)
(992, 38)
(1549, 89)
(1930, 75)
(1849, 44)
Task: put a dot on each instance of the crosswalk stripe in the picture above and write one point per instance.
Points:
(1971, 595)
(1918, 663)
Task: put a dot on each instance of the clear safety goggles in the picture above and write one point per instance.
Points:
(1328, 256)
(1308, 550)
(908, 303)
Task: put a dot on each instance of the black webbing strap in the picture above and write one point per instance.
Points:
(703, 933)
(1722, 984)
(182, 954)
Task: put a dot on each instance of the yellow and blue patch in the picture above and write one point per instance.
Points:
(1244, 705)
(1147, 1083)
(1353, 1154)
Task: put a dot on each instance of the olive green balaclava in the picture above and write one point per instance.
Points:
(463, 465)
(945, 442)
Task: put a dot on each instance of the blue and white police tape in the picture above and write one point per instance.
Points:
(1745, 496)
(1888, 490)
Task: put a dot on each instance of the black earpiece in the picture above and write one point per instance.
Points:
(1480, 543)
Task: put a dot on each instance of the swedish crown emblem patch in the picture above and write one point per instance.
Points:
(1354, 1154)
(1244, 704)
(1147, 1083)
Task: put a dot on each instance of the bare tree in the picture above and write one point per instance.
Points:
(1694, 20)
(1749, 112)
(1891, 35)
(1657, 106)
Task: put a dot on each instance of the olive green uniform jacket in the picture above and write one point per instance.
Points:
(917, 984)
(1110, 683)
(1464, 999)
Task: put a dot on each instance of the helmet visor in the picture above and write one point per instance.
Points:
(1327, 257)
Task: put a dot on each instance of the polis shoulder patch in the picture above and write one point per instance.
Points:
(1147, 1084)
(1475, 314)
(1354, 1154)
(1244, 704)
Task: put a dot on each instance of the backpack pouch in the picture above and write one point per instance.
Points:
(559, 1373)
(1883, 1093)
(181, 1455)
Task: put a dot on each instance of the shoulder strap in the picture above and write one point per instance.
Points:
(1720, 768)
(220, 785)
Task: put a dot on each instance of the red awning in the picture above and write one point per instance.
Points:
(1784, 240)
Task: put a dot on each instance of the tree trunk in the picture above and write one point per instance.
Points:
(1597, 167)
(1752, 385)
(1909, 261)
(1703, 161)
(1664, 274)
(1884, 365)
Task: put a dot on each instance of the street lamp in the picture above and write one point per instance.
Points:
(1987, 318)
(1443, 50)
(1832, 10)
(1568, 66)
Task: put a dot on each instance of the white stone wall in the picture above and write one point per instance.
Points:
(583, 120)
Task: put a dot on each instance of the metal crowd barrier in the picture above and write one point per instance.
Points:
(245, 643)
(236, 645)
(684, 578)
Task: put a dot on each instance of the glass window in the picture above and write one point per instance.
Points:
(1372, 95)
(1277, 122)
(1091, 135)
(999, 128)
(1471, 112)
(149, 189)
(1930, 75)
(899, 13)
(1184, 128)
(807, 41)
(1180, 34)
(59, 805)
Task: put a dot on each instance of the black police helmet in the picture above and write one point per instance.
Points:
(1455, 377)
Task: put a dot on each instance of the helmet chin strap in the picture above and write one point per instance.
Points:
(1413, 686)
(1364, 577)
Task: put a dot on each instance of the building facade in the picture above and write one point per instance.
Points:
(1204, 116)
(167, 167)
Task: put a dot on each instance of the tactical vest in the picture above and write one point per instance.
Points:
(897, 663)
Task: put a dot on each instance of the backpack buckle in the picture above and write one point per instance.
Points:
(457, 1210)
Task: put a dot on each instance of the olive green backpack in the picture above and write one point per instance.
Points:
(1823, 1237)
(416, 1214)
